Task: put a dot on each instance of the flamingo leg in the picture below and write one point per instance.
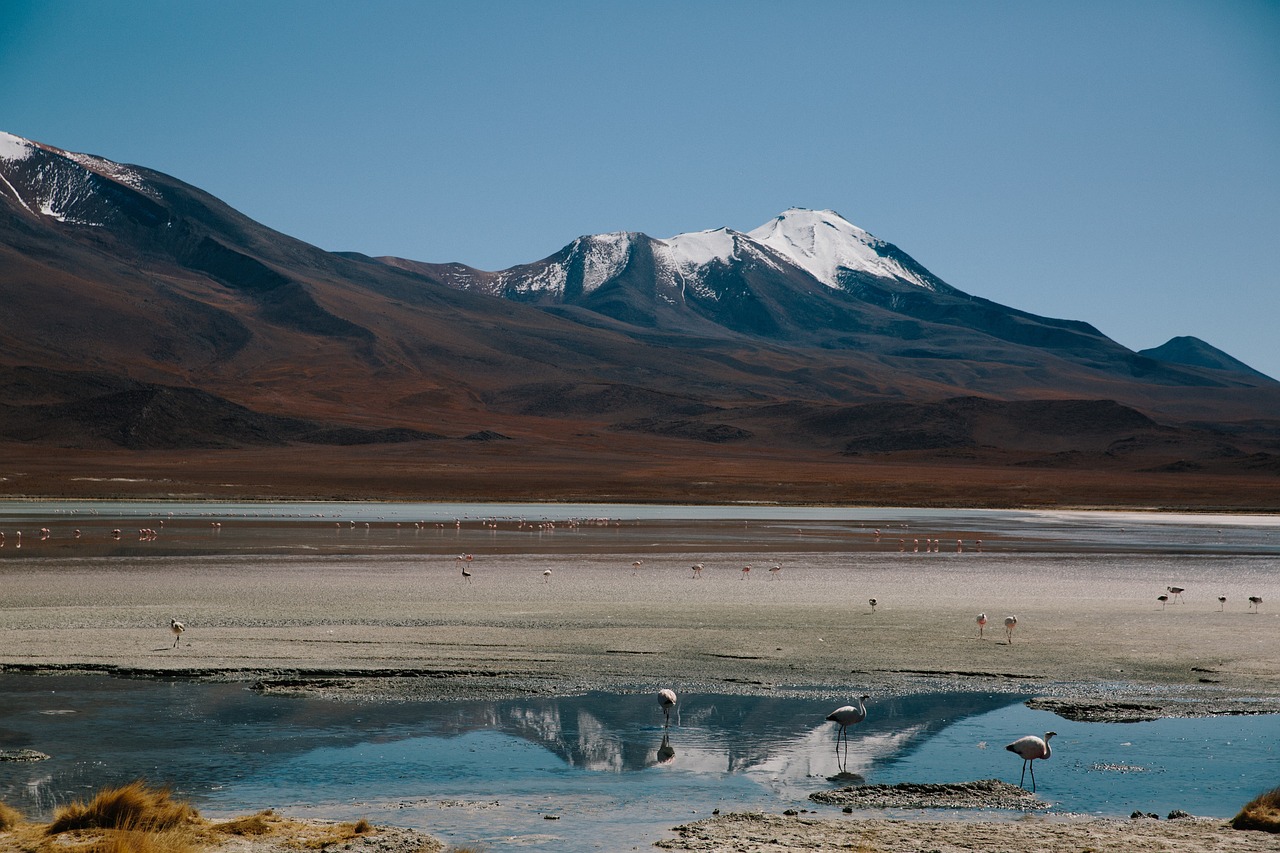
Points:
(1032, 762)
(1022, 781)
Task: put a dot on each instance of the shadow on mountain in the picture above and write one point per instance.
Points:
(164, 418)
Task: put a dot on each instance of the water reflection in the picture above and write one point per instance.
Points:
(483, 772)
(207, 738)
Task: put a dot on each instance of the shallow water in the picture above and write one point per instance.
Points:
(414, 528)
(489, 772)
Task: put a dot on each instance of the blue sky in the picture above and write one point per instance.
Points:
(1113, 162)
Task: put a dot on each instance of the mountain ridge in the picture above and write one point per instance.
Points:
(121, 284)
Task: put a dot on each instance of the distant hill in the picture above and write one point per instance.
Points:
(1196, 353)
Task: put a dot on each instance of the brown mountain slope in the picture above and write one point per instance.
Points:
(142, 316)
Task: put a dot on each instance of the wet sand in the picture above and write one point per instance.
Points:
(1089, 627)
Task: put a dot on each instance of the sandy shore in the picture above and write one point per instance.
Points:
(763, 833)
(1091, 638)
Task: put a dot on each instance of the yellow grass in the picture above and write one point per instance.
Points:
(132, 807)
(137, 818)
(9, 817)
(1262, 813)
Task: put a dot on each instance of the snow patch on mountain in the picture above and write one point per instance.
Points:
(14, 147)
(699, 248)
(549, 279)
(683, 260)
(59, 182)
(603, 257)
(822, 242)
(115, 171)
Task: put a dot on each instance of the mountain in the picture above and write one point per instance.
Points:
(1196, 353)
(142, 315)
(812, 279)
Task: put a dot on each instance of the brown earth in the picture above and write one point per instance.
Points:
(597, 466)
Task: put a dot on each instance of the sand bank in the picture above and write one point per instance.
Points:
(1089, 626)
(763, 833)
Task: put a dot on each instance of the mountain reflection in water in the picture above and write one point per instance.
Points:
(210, 740)
(487, 772)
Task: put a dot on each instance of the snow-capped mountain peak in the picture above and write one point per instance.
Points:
(822, 242)
(62, 185)
(14, 147)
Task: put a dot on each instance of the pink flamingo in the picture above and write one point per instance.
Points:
(1030, 748)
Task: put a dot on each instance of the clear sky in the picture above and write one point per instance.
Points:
(1114, 162)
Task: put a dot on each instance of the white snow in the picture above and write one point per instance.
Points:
(699, 248)
(603, 257)
(113, 170)
(822, 242)
(550, 279)
(681, 260)
(14, 147)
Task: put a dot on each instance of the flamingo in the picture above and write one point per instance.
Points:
(1030, 748)
(666, 700)
(466, 575)
(1010, 622)
(1254, 601)
(746, 571)
(177, 628)
(775, 571)
(1222, 602)
(1163, 599)
(635, 566)
(1175, 591)
(546, 576)
(845, 716)
(873, 602)
(982, 624)
(697, 570)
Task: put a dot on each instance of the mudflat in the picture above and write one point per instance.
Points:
(562, 610)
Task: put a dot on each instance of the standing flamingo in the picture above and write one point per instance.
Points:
(1176, 591)
(177, 628)
(845, 716)
(1163, 599)
(775, 571)
(546, 576)
(982, 624)
(746, 571)
(1030, 748)
(667, 700)
(1254, 601)
(635, 567)
(1222, 602)
(873, 602)
(1010, 622)
(697, 570)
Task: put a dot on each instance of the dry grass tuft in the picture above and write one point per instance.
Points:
(143, 841)
(306, 835)
(132, 807)
(254, 824)
(9, 817)
(140, 819)
(1261, 813)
